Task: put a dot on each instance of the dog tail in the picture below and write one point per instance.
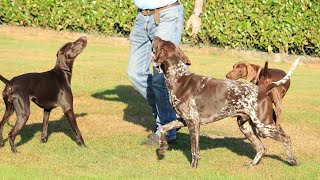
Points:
(285, 79)
(4, 80)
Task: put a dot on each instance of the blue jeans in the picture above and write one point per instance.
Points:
(152, 86)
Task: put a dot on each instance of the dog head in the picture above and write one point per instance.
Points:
(166, 50)
(242, 70)
(68, 53)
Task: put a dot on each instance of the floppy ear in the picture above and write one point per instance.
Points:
(62, 62)
(184, 59)
(251, 73)
(161, 54)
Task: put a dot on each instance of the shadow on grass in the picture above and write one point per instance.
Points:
(236, 145)
(137, 110)
(62, 125)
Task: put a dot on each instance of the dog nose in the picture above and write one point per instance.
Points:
(228, 76)
(84, 38)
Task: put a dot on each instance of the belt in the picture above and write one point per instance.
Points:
(156, 12)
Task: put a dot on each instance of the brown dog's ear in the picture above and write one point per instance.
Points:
(184, 58)
(62, 61)
(161, 53)
(251, 73)
(159, 60)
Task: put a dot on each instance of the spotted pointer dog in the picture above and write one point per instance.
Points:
(201, 100)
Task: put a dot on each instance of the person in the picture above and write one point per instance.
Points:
(164, 19)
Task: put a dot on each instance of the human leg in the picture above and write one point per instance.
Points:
(140, 59)
(170, 28)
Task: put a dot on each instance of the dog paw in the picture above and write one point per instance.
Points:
(194, 163)
(81, 143)
(161, 150)
(44, 140)
(160, 154)
(14, 150)
(293, 162)
(249, 165)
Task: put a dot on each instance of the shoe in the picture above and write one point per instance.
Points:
(153, 140)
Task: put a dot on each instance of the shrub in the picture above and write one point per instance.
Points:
(286, 26)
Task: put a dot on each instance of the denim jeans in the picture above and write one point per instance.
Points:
(152, 86)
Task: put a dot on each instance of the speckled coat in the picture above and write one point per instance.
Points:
(199, 100)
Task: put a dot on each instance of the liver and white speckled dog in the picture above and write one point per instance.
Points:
(201, 100)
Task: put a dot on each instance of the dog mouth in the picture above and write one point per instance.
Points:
(81, 43)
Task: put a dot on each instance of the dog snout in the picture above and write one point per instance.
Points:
(83, 41)
(83, 38)
(228, 76)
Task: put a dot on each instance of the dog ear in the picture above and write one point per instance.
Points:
(161, 54)
(62, 61)
(184, 59)
(251, 73)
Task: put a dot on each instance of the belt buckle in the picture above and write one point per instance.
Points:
(146, 12)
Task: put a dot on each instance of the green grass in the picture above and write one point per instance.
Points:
(114, 119)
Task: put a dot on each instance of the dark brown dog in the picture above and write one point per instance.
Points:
(262, 77)
(201, 100)
(48, 90)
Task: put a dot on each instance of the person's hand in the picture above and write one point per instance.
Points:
(195, 22)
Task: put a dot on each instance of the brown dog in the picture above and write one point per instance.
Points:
(48, 90)
(200, 100)
(262, 77)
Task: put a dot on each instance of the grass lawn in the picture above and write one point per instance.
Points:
(114, 119)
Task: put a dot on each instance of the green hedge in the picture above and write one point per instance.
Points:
(290, 26)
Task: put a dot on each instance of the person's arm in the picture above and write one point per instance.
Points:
(195, 18)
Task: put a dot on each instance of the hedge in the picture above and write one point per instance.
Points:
(286, 26)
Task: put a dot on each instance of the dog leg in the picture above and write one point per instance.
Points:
(163, 136)
(72, 121)
(22, 108)
(194, 129)
(44, 135)
(278, 107)
(282, 137)
(247, 130)
(9, 111)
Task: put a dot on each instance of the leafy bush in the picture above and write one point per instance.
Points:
(103, 16)
(289, 26)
